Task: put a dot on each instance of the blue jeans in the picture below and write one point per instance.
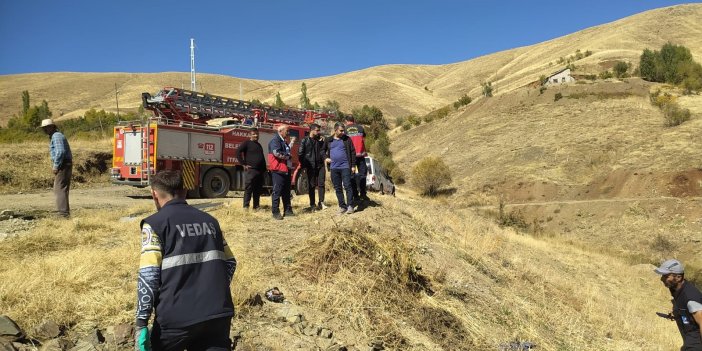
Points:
(281, 188)
(341, 178)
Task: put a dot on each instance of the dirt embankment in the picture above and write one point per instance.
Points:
(622, 183)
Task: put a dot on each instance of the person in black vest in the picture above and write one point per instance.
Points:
(185, 271)
(687, 304)
(250, 155)
(311, 154)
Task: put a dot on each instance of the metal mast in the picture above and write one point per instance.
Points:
(193, 86)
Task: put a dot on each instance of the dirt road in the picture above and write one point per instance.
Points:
(110, 196)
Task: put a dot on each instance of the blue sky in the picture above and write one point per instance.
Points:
(281, 39)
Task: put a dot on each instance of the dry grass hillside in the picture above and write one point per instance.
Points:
(391, 275)
(597, 168)
(398, 90)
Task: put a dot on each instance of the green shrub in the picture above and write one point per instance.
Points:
(557, 97)
(542, 89)
(620, 69)
(605, 75)
(430, 174)
(675, 115)
(464, 100)
(414, 120)
(399, 121)
(407, 125)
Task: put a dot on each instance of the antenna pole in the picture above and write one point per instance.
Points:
(193, 86)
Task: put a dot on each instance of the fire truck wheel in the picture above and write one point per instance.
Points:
(215, 184)
(301, 183)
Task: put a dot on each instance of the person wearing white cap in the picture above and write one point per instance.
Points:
(62, 165)
(687, 304)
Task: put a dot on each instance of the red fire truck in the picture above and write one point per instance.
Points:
(200, 135)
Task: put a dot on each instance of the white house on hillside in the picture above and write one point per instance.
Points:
(560, 77)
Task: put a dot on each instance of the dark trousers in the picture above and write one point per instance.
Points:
(359, 179)
(253, 186)
(341, 178)
(209, 335)
(315, 179)
(281, 188)
(62, 185)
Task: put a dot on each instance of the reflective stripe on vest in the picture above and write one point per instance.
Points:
(198, 257)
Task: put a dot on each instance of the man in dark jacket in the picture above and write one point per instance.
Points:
(341, 157)
(250, 155)
(312, 154)
(280, 165)
(185, 271)
(687, 304)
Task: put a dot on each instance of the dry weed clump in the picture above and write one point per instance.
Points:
(371, 278)
(347, 249)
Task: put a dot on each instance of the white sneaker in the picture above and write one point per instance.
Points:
(322, 206)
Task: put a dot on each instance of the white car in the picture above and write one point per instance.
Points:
(377, 179)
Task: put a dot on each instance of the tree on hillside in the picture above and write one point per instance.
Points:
(332, 106)
(25, 102)
(278, 101)
(647, 65)
(304, 99)
(673, 64)
(368, 115)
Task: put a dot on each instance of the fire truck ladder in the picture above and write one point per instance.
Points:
(191, 106)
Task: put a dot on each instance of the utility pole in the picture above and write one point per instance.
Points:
(117, 101)
(193, 86)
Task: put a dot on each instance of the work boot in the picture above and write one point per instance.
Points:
(289, 213)
(350, 210)
(322, 206)
(277, 216)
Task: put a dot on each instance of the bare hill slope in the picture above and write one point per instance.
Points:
(397, 89)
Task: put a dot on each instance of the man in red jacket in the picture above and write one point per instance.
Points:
(280, 165)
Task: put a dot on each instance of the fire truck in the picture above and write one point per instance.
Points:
(200, 135)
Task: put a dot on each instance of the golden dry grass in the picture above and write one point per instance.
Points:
(398, 90)
(481, 285)
(27, 166)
